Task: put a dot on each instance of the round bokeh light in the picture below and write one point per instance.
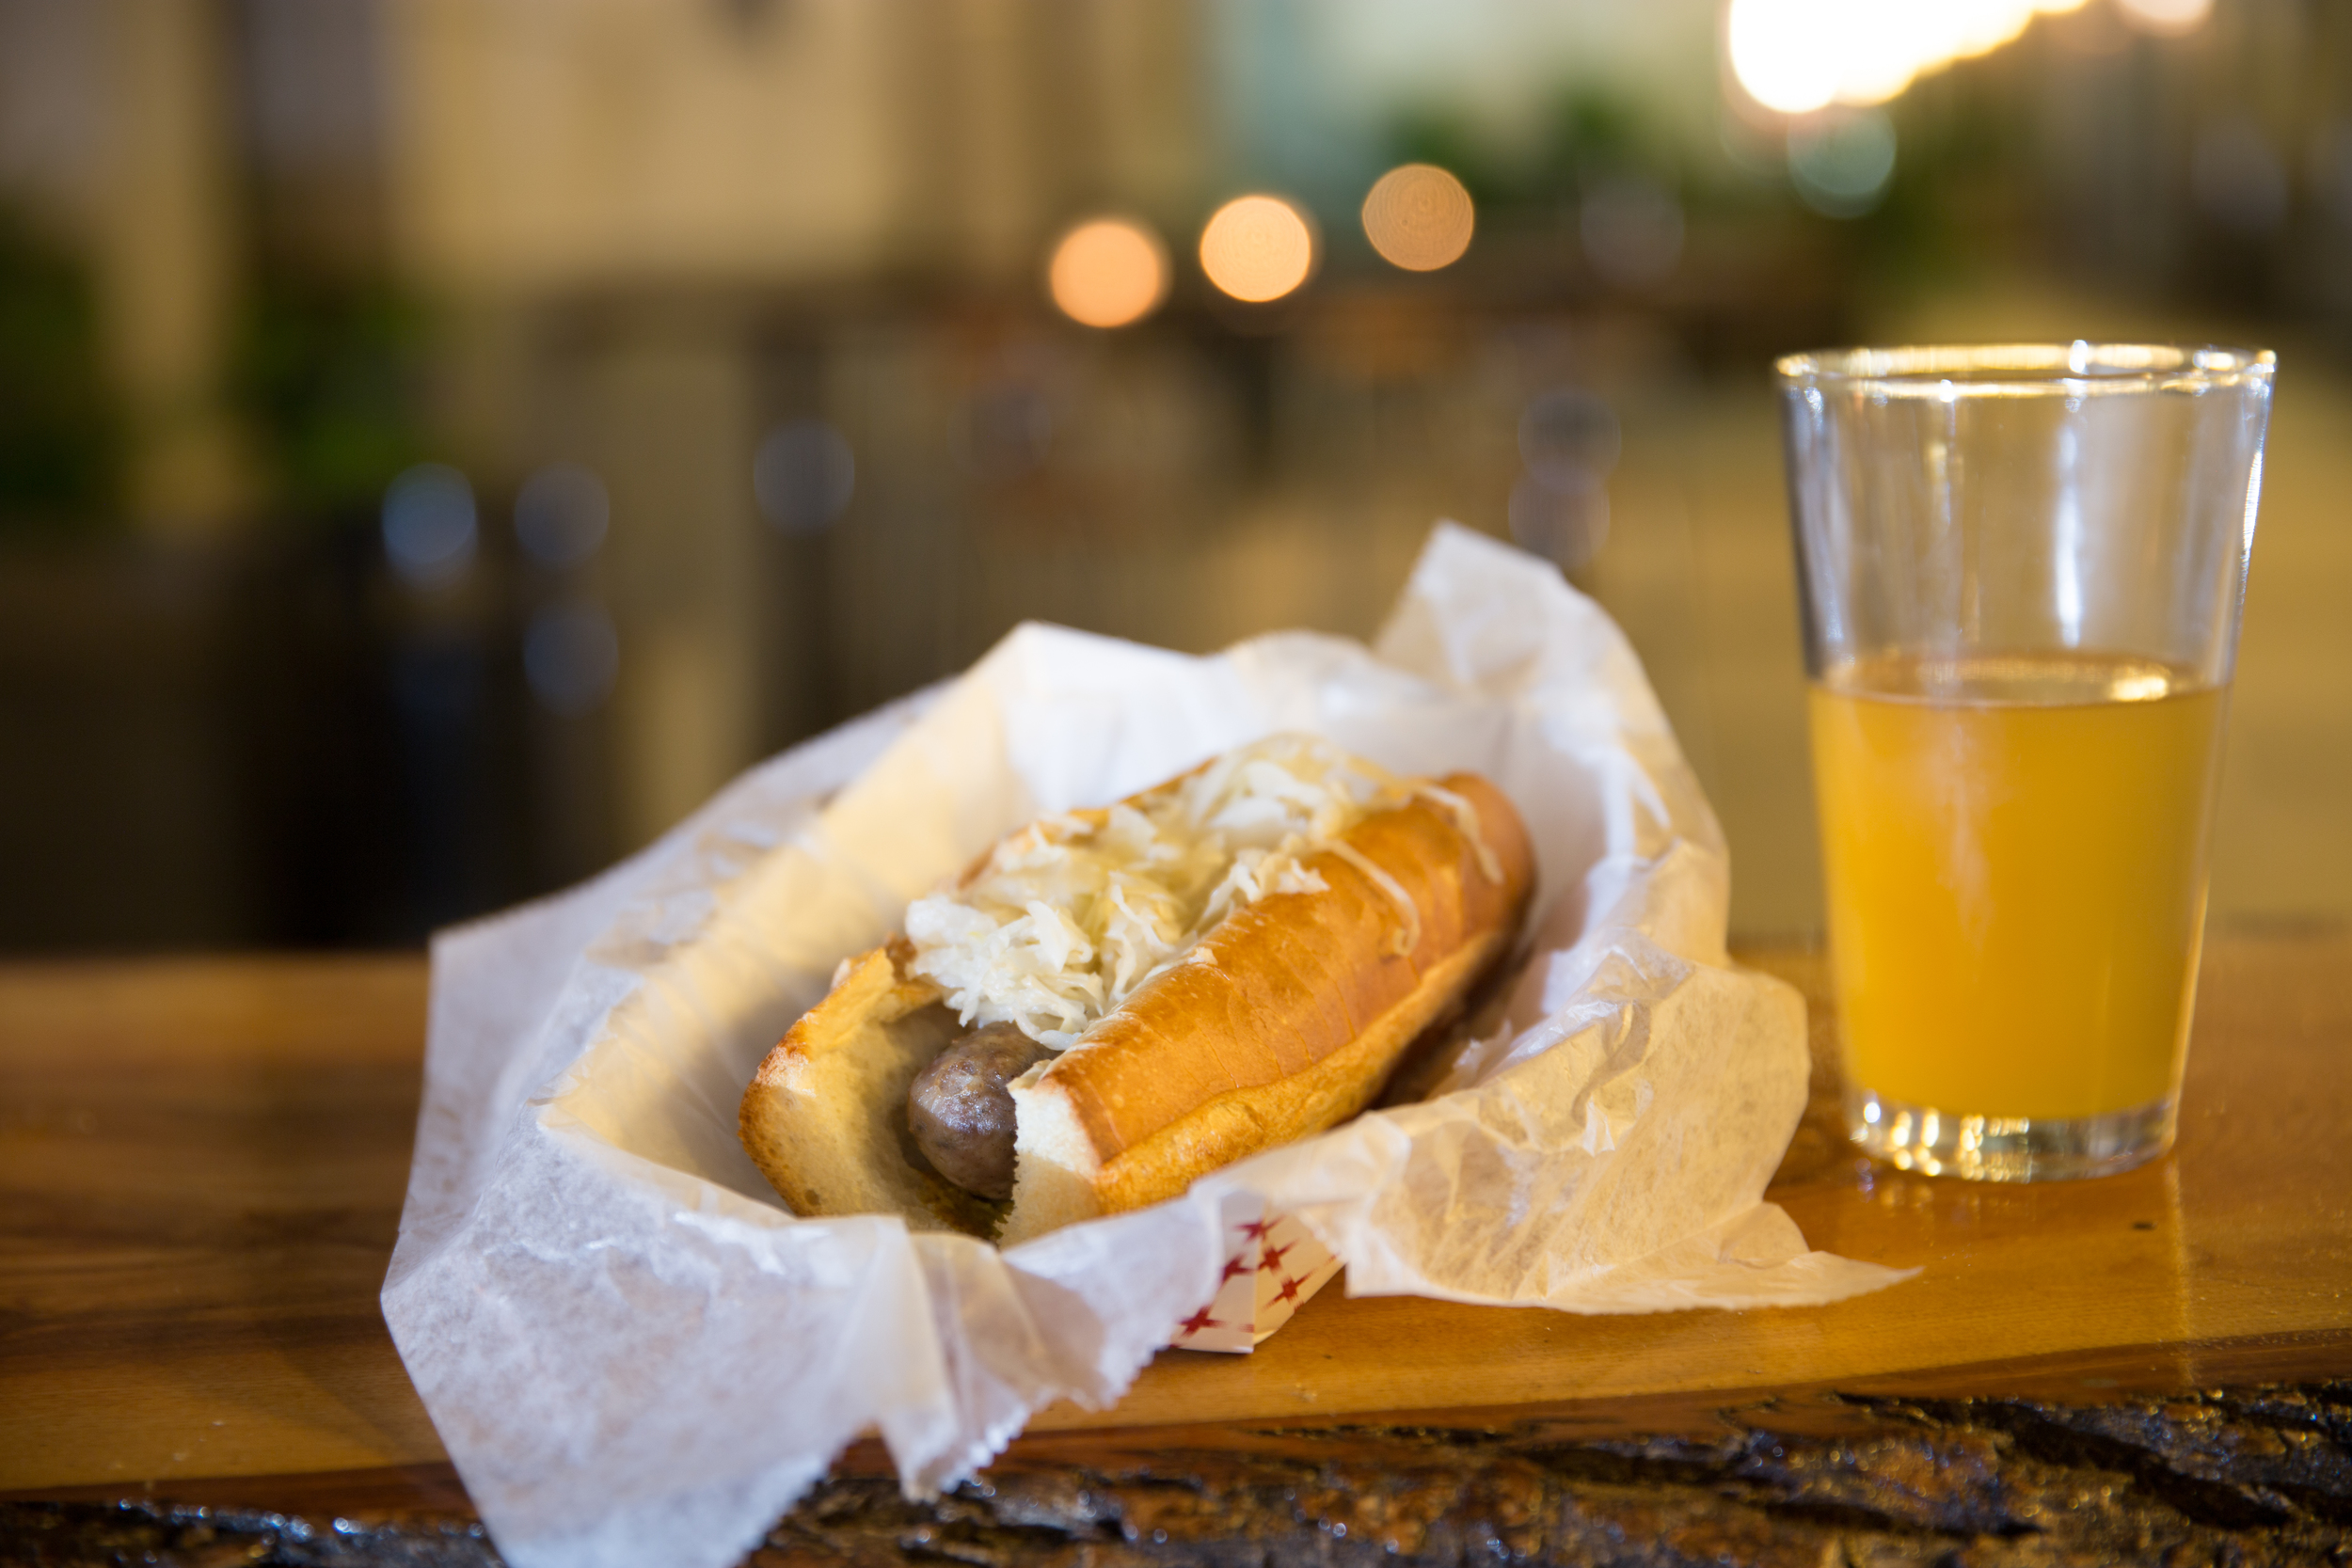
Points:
(1419, 217)
(1108, 272)
(1258, 248)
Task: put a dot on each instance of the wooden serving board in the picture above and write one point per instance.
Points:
(201, 1165)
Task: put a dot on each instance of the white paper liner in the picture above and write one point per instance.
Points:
(635, 1355)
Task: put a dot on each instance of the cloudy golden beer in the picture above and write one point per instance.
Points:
(2014, 850)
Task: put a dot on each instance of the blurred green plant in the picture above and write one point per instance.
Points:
(1590, 134)
(61, 442)
(1595, 132)
(1960, 198)
(327, 377)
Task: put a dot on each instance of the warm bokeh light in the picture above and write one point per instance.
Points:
(1880, 47)
(1882, 51)
(1980, 27)
(1257, 248)
(1419, 217)
(1797, 56)
(1108, 272)
(1781, 52)
(2169, 18)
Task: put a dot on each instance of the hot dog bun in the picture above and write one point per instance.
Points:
(1283, 1019)
(1286, 1020)
(818, 1117)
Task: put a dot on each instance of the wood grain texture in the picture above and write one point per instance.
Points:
(201, 1165)
(2255, 1477)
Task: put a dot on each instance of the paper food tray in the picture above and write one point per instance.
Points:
(634, 1354)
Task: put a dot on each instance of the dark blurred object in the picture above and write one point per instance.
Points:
(61, 432)
(1569, 440)
(124, 822)
(248, 746)
(329, 373)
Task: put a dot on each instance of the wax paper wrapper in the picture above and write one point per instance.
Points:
(636, 1356)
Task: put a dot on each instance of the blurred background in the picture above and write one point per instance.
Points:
(443, 440)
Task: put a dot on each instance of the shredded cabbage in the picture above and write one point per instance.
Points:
(1069, 916)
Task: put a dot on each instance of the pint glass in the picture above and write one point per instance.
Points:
(2020, 569)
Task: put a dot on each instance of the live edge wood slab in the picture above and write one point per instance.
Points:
(202, 1164)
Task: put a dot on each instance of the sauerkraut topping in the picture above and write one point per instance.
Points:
(1465, 823)
(1067, 918)
(1408, 934)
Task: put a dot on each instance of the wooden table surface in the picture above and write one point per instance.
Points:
(201, 1165)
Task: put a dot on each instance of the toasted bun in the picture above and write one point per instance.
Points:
(1284, 1021)
(825, 1117)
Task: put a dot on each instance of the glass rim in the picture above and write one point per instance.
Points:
(2017, 369)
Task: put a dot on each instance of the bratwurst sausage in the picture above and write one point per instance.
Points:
(962, 1113)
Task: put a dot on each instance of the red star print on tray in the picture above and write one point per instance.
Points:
(1272, 1261)
(1201, 1321)
(1234, 1267)
(1290, 1289)
(1256, 1230)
